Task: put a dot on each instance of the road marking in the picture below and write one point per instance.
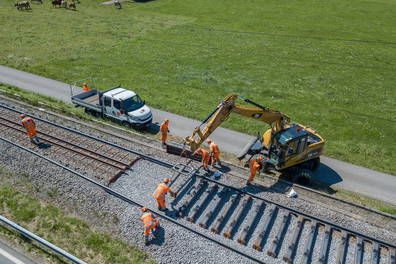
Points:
(10, 257)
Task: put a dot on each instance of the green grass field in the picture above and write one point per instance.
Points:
(327, 64)
(59, 227)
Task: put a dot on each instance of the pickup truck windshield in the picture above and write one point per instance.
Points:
(133, 103)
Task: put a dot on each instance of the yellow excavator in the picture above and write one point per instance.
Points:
(287, 147)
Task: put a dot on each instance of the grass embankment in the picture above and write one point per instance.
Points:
(329, 65)
(366, 201)
(56, 226)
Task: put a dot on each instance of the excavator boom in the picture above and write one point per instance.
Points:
(272, 117)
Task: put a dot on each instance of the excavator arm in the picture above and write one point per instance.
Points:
(274, 118)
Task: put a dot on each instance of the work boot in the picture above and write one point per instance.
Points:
(248, 182)
(163, 209)
(146, 239)
(163, 145)
(219, 163)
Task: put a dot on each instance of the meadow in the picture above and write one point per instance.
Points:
(327, 64)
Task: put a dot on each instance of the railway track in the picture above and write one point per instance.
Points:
(69, 147)
(273, 229)
(211, 206)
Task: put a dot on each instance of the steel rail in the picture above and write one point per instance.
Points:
(169, 165)
(40, 240)
(129, 201)
(144, 156)
(308, 216)
(124, 165)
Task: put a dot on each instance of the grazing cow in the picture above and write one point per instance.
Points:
(23, 4)
(56, 3)
(117, 4)
(63, 4)
(71, 5)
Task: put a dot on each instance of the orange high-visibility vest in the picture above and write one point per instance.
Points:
(30, 126)
(214, 148)
(204, 153)
(148, 220)
(254, 165)
(86, 87)
(164, 131)
(161, 191)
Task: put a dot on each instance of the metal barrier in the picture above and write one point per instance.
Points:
(38, 239)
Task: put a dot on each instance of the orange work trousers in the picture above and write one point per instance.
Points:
(205, 161)
(215, 157)
(161, 203)
(164, 136)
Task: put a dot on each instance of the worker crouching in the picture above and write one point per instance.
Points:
(205, 158)
(160, 194)
(30, 126)
(254, 166)
(150, 223)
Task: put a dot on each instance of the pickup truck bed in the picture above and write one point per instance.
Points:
(88, 99)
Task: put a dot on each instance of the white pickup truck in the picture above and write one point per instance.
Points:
(118, 104)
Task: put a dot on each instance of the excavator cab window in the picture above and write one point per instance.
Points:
(296, 146)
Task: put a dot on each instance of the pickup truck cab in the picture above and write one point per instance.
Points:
(118, 104)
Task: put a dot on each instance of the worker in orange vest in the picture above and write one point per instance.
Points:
(214, 152)
(164, 129)
(86, 87)
(150, 222)
(254, 165)
(160, 193)
(30, 126)
(205, 157)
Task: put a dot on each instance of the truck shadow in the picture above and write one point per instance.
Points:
(152, 129)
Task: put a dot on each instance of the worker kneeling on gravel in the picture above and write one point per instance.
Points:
(160, 193)
(214, 152)
(205, 157)
(30, 126)
(254, 166)
(150, 222)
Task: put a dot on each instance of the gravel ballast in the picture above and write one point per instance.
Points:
(173, 244)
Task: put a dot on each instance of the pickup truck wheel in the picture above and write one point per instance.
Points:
(126, 124)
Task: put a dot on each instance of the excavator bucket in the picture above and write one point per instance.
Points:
(252, 148)
(182, 151)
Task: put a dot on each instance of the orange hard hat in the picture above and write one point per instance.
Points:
(166, 180)
(22, 115)
(259, 158)
(209, 141)
(144, 209)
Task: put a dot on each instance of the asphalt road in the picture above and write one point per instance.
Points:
(333, 172)
(11, 256)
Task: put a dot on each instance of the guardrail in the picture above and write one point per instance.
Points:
(38, 239)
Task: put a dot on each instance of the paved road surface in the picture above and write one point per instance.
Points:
(11, 256)
(372, 183)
